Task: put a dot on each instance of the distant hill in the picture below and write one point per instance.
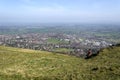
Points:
(24, 64)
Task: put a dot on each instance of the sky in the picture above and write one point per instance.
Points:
(58, 11)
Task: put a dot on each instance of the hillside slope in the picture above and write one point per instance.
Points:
(24, 64)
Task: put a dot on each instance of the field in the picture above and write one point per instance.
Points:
(56, 41)
(24, 64)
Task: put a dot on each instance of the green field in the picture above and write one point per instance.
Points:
(24, 64)
(56, 41)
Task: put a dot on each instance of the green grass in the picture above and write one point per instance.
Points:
(24, 64)
(64, 50)
(56, 41)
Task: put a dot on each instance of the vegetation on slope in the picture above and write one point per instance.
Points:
(24, 64)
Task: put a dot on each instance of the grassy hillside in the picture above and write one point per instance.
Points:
(24, 64)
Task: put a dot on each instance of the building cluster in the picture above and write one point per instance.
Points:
(51, 41)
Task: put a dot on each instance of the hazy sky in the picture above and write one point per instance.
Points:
(59, 11)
